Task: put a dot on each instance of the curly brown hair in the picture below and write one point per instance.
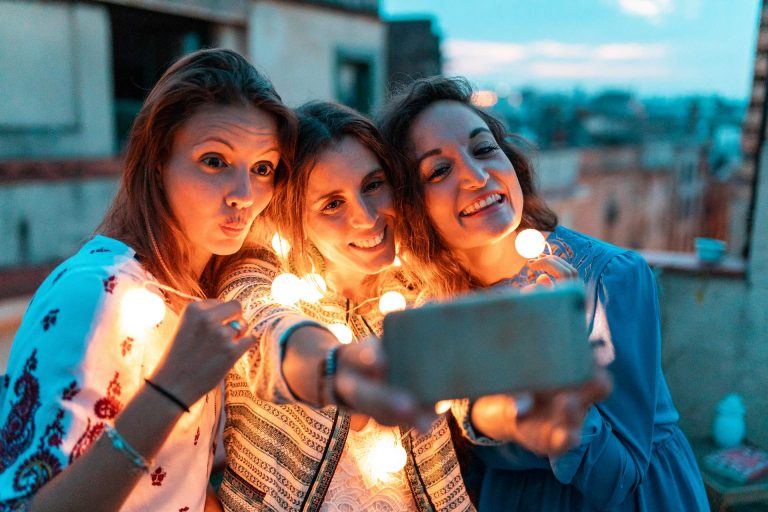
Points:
(427, 255)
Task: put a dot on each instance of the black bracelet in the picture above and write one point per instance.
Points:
(326, 389)
(168, 395)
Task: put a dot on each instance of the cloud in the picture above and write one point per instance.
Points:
(630, 51)
(596, 70)
(652, 10)
(549, 59)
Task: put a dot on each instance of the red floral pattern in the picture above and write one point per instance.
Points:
(158, 475)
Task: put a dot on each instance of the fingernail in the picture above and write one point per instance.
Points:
(523, 402)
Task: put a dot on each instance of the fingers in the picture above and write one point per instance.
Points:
(598, 387)
(387, 405)
(554, 266)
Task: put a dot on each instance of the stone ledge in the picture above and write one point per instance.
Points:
(682, 262)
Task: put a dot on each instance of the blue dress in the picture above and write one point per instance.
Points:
(632, 456)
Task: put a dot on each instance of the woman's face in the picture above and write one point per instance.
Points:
(349, 213)
(471, 189)
(220, 176)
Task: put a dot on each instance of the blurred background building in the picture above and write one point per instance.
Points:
(650, 174)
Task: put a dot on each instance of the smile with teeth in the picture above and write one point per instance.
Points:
(481, 204)
(370, 242)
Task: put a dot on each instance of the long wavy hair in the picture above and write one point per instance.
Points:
(321, 127)
(140, 215)
(424, 250)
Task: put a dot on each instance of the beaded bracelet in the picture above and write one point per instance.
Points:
(326, 390)
(121, 445)
(167, 394)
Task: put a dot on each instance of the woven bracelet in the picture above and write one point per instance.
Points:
(167, 394)
(121, 445)
(326, 389)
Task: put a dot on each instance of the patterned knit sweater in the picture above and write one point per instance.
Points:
(282, 454)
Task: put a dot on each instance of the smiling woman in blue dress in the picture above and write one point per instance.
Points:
(467, 192)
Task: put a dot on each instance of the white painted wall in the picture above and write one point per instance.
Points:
(60, 216)
(296, 46)
(56, 80)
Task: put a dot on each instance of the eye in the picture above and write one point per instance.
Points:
(373, 185)
(332, 206)
(214, 161)
(263, 169)
(438, 173)
(486, 149)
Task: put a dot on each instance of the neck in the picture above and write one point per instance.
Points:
(199, 262)
(356, 286)
(493, 262)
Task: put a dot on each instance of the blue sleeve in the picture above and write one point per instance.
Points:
(615, 449)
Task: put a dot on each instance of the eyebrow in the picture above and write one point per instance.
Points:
(332, 193)
(437, 151)
(213, 138)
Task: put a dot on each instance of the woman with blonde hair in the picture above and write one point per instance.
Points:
(111, 398)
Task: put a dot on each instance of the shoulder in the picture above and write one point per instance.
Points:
(593, 257)
(101, 269)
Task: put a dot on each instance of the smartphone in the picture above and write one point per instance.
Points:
(490, 342)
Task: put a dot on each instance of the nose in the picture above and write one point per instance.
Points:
(363, 215)
(240, 194)
(473, 174)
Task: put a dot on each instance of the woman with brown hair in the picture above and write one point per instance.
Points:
(467, 192)
(111, 396)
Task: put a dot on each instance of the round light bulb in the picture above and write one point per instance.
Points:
(314, 287)
(281, 245)
(287, 289)
(391, 301)
(530, 243)
(141, 309)
(342, 332)
(442, 406)
(388, 455)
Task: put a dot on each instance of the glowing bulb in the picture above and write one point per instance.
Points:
(314, 287)
(396, 262)
(391, 301)
(342, 332)
(287, 289)
(141, 309)
(442, 406)
(388, 455)
(530, 243)
(280, 245)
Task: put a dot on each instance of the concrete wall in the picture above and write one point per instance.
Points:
(58, 215)
(56, 80)
(297, 47)
(716, 334)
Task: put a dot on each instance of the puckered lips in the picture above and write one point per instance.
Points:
(233, 228)
(371, 240)
(483, 204)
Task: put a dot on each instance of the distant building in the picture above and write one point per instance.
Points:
(413, 50)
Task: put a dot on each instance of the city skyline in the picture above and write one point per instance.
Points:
(649, 47)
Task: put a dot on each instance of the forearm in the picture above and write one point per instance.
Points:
(305, 351)
(104, 476)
